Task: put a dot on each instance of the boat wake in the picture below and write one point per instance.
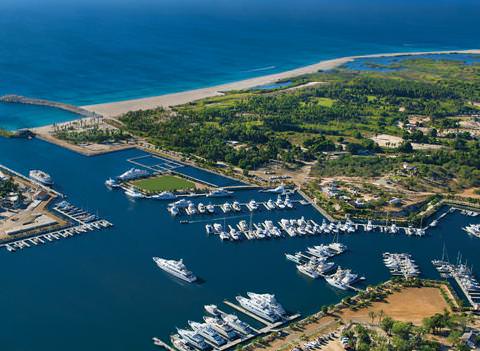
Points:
(260, 69)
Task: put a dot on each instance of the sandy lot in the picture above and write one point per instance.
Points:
(409, 305)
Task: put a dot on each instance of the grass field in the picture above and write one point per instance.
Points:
(163, 183)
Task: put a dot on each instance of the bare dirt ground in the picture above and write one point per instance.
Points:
(409, 305)
(392, 141)
(298, 176)
(471, 192)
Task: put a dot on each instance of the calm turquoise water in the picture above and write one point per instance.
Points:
(85, 51)
(101, 291)
(369, 64)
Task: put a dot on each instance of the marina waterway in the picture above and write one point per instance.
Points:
(102, 291)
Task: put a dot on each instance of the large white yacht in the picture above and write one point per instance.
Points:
(133, 173)
(208, 333)
(263, 305)
(237, 324)
(41, 177)
(258, 308)
(220, 192)
(130, 192)
(342, 278)
(193, 338)
(221, 326)
(309, 269)
(164, 195)
(176, 268)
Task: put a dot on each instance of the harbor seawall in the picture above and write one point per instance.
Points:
(18, 99)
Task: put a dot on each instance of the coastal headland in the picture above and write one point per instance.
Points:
(114, 109)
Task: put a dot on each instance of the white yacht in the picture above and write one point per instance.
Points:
(133, 173)
(164, 195)
(208, 333)
(337, 247)
(243, 226)
(217, 228)
(287, 202)
(173, 210)
(176, 268)
(309, 269)
(182, 203)
(252, 205)
(325, 267)
(220, 192)
(280, 203)
(41, 177)
(270, 300)
(236, 206)
(201, 208)
(297, 257)
(180, 343)
(112, 183)
(258, 308)
(191, 209)
(393, 229)
(237, 324)
(221, 327)
(224, 236)
(342, 278)
(226, 207)
(193, 338)
(278, 190)
(234, 235)
(270, 204)
(209, 229)
(210, 208)
(135, 194)
(212, 309)
(473, 229)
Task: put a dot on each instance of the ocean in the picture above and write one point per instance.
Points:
(86, 52)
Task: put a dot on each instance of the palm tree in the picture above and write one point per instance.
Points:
(381, 315)
(372, 315)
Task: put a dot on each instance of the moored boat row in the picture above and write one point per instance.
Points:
(401, 264)
(56, 235)
(222, 330)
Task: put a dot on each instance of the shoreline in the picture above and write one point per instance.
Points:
(115, 109)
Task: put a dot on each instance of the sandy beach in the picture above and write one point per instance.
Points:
(115, 109)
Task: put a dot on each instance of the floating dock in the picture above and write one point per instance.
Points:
(56, 235)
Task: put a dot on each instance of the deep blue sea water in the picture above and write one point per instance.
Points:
(101, 290)
(85, 51)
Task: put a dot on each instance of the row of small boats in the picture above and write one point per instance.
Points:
(401, 264)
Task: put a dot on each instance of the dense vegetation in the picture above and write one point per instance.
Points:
(7, 186)
(247, 129)
(92, 135)
(396, 335)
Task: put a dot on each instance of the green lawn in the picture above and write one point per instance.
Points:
(163, 183)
